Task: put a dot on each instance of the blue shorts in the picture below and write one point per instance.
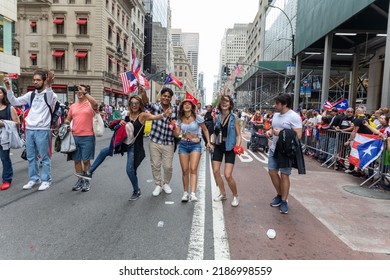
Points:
(85, 148)
(189, 147)
(273, 164)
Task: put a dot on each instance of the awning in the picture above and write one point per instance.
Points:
(58, 53)
(33, 24)
(59, 86)
(106, 89)
(117, 92)
(81, 21)
(58, 21)
(81, 54)
(33, 56)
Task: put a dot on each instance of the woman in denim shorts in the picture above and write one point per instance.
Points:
(188, 126)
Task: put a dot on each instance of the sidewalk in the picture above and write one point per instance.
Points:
(326, 219)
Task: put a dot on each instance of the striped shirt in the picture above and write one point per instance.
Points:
(160, 132)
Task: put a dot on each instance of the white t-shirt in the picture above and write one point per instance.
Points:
(288, 120)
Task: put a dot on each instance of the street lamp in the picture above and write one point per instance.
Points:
(292, 32)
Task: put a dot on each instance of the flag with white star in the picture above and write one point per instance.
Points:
(365, 149)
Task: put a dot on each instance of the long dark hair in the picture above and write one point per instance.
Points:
(5, 100)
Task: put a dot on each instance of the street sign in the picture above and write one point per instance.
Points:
(13, 75)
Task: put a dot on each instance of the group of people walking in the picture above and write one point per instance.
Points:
(181, 125)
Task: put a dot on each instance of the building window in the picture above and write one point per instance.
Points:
(59, 59)
(56, 1)
(110, 64)
(107, 2)
(109, 33)
(118, 39)
(113, 8)
(83, 26)
(127, 23)
(118, 13)
(118, 67)
(125, 45)
(60, 26)
(72, 1)
(34, 59)
(82, 60)
(33, 25)
(88, 2)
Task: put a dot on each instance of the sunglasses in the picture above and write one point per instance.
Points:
(134, 103)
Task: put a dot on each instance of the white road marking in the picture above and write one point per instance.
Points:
(264, 157)
(245, 157)
(196, 244)
(221, 244)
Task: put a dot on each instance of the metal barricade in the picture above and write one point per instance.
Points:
(331, 148)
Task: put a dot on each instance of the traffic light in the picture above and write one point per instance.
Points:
(227, 70)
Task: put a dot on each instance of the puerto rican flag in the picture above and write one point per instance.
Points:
(365, 149)
(342, 105)
(173, 81)
(141, 78)
(135, 65)
(327, 105)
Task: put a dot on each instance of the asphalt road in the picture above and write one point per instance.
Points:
(60, 224)
(325, 222)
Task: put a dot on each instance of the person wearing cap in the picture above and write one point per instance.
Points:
(188, 125)
(38, 124)
(162, 141)
(228, 135)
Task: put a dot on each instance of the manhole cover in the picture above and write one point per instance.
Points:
(367, 192)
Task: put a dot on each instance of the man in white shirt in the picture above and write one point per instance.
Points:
(38, 125)
(284, 118)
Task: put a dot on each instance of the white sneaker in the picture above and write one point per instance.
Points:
(44, 186)
(167, 189)
(157, 191)
(30, 184)
(193, 197)
(185, 197)
(220, 198)
(235, 201)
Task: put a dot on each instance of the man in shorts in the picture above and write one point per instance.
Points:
(284, 118)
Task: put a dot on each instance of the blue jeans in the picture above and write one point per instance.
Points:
(105, 152)
(38, 143)
(7, 165)
(130, 169)
(273, 164)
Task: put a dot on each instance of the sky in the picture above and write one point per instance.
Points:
(210, 18)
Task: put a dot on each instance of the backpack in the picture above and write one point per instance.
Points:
(54, 114)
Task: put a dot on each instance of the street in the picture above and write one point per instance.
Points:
(325, 221)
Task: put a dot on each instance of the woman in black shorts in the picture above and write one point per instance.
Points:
(228, 135)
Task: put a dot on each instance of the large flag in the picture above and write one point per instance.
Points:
(135, 65)
(327, 105)
(342, 105)
(129, 82)
(365, 149)
(191, 98)
(172, 80)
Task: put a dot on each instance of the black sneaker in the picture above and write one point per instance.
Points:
(136, 195)
(86, 176)
(86, 186)
(78, 185)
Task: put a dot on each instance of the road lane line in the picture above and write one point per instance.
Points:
(221, 244)
(196, 244)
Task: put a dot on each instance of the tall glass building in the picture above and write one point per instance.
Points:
(157, 36)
